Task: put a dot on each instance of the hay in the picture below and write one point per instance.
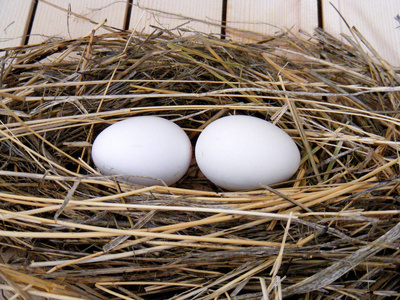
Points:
(70, 233)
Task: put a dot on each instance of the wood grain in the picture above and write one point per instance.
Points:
(198, 15)
(376, 22)
(14, 21)
(247, 21)
(269, 17)
(53, 22)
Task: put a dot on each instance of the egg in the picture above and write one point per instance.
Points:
(146, 150)
(244, 152)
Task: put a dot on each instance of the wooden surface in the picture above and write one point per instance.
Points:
(269, 17)
(376, 22)
(13, 21)
(247, 20)
(58, 22)
(198, 15)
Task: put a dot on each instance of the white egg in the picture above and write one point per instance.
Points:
(243, 152)
(146, 149)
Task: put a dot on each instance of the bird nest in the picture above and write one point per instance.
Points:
(330, 231)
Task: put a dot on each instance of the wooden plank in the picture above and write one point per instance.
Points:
(14, 21)
(269, 17)
(196, 15)
(376, 22)
(53, 22)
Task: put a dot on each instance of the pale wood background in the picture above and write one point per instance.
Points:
(64, 19)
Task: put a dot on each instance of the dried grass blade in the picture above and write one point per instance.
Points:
(336, 270)
(19, 292)
(340, 90)
(300, 128)
(262, 266)
(68, 198)
(278, 261)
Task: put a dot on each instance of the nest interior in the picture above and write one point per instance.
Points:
(330, 232)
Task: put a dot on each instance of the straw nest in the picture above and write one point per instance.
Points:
(330, 232)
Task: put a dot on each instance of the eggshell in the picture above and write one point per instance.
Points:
(243, 152)
(146, 149)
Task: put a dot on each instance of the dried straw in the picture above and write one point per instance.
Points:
(70, 233)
